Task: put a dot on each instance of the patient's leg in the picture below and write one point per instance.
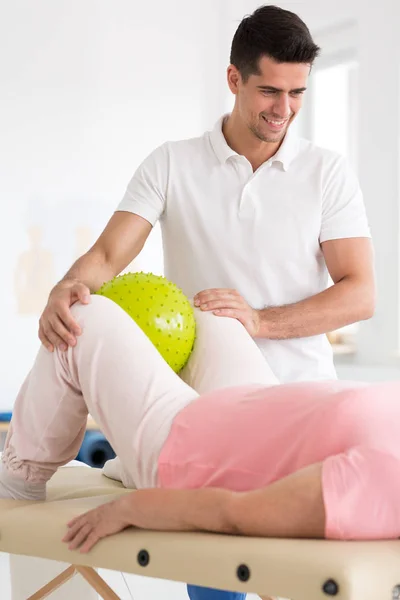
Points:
(224, 355)
(114, 371)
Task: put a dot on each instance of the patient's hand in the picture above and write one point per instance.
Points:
(87, 529)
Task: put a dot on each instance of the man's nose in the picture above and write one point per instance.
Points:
(281, 106)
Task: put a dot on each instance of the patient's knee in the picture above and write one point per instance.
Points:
(97, 303)
(99, 310)
(207, 321)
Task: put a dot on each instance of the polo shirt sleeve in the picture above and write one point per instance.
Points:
(343, 210)
(146, 192)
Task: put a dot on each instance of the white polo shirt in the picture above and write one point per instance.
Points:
(224, 226)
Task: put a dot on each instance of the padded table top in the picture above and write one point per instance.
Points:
(296, 569)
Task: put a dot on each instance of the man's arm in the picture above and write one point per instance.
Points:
(350, 299)
(121, 241)
(290, 507)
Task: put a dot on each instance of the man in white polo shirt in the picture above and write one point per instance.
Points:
(253, 218)
(262, 233)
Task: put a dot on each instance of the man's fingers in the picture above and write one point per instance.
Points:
(239, 315)
(45, 341)
(233, 313)
(57, 325)
(216, 293)
(69, 322)
(53, 337)
(230, 312)
(82, 292)
(61, 331)
(222, 303)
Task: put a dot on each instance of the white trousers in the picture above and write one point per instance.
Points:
(223, 355)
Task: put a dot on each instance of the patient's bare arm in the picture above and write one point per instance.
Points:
(291, 507)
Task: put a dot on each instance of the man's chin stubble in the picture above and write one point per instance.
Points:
(271, 140)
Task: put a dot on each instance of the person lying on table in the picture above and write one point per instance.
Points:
(304, 460)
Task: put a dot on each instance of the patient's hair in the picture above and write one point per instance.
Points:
(274, 32)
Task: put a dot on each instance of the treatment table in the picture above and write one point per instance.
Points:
(295, 569)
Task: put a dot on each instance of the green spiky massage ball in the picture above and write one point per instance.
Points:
(160, 309)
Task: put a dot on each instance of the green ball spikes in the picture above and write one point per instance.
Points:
(160, 309)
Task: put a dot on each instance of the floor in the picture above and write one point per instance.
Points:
(127, 587)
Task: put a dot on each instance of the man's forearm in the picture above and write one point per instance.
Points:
(205, 509)
(346, 302)
(92, 269)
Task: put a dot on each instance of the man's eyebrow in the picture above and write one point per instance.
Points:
(271, 88)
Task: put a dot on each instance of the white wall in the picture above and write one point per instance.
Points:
(371, 38)
(88, 90)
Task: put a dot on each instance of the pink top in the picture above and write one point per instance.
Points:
(244, 438)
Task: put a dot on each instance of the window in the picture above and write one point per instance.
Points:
(333, 119)
(333, 125)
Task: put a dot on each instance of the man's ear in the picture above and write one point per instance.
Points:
(233, 78)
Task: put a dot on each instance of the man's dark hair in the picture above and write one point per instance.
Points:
(273, 32)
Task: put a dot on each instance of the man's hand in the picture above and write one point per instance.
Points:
(229, 303)
(57, 327)
(87, 529)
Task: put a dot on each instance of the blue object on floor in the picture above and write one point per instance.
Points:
(202, 593)
(5, 417)
(95, 450)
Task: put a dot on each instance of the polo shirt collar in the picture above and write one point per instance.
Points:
(286, 153)
(218, 142)
(288, 150)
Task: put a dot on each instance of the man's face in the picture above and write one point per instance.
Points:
(268, 103)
